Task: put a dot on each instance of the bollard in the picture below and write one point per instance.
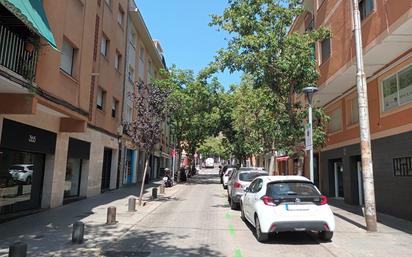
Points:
(78, 232)
(162, 188)
(132, 204)
(111, 215)
(18, 249)
(154, 193)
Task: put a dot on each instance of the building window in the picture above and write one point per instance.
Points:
(67, 58)
(397, 89)
(365, 8)
(128, 114)
(115, 105)
(120, 17)
(353, 111)
(335, 123)
(402, 167)
(130, 74)
(141, 63)
(101, 95)
(325, 50)
(104, 47)
(117, 60)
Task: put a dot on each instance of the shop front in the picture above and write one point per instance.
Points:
(23, 151)
(78, 154)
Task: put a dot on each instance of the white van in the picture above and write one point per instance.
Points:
(210, 163)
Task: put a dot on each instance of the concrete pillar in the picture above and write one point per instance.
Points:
(55, 174)
(94, 179)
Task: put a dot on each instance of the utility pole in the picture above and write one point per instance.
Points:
(367, 167)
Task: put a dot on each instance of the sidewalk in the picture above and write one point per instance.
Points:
(351, 238)
(48, 233)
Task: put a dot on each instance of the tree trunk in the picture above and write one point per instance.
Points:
(144, 178)
(300, 165)
(178, 165)
(272, 165)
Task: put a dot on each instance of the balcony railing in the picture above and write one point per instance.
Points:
(18, 54)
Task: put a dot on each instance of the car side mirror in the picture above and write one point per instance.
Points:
(246, 189)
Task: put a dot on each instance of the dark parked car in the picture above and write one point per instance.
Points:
(223, 170)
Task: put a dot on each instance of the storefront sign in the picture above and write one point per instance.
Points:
(22, 137)
(79, 149)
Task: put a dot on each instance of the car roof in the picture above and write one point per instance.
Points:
(254, 171)
(285, 178)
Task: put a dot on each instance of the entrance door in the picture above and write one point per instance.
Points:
(127, 176)
(360, 183)
(338, 170)
(107, 165)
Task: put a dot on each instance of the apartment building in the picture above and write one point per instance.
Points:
(61, 94)
(387, 42)
(144, 61)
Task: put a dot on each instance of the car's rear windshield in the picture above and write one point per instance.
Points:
(291, 188)
(249, 176)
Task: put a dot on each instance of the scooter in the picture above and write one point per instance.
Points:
(168, 182)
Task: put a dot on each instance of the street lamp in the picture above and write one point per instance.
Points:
(309, 92)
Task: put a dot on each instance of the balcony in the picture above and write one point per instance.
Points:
(18, 52)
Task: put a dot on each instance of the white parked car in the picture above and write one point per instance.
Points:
(286, 203)
(227, 175)
(22, 172)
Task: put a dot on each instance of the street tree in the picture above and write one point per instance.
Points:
(262, 45)
(214, 146)
(152, 107)
(197, 109)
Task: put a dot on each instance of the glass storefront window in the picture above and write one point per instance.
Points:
(72, 182)
(21, 177)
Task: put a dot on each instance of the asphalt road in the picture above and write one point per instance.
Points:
(197, 221)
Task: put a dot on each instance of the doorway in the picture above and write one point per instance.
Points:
(107, 165)
(338, 174)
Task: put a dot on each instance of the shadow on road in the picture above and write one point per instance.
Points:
(290, 238)
(156, 244)
(204, 179)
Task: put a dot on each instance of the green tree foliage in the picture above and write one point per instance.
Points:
(262, 46)
(197, 114)
(214, 146)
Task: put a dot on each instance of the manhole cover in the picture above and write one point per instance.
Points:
(125, 254)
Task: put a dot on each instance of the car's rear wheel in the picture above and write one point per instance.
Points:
(260, 236)
(326, 235)
(233, 205)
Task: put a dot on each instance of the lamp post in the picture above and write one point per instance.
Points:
(309, 92)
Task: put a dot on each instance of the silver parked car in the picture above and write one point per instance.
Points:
(238, 182)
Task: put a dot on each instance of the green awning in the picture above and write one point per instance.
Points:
(31, 13)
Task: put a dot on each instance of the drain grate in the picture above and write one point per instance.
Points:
(125, 254)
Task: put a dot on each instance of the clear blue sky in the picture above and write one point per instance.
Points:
(182, 28)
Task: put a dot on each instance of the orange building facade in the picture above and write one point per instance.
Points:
(387, 42)
(62, 89)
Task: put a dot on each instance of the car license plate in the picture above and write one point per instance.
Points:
(295, 207)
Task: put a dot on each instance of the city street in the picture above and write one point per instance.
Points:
(192, 219)
(199, 222)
